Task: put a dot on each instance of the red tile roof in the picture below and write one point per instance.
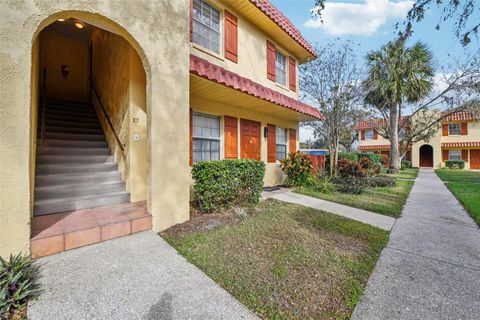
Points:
(212, 72)
(459, 116)
(373, 123)
(460, 144)
(374, 147)
(283, 22)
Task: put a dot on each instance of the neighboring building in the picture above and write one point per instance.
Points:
(174, 82)
(458, 138)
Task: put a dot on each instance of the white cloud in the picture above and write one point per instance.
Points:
(341, 18)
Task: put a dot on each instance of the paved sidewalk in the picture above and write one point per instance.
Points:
(430, 268)
(371, 218)
(134, 277)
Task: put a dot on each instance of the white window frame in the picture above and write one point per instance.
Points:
(278, 70)
(206, 138)
(220, 30)
(456, 125)
(457, 156)
(367, 132)
(281, 143)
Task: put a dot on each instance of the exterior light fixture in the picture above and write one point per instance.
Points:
(265, 132)
(61, 20)
(65, 71)
(79, 25)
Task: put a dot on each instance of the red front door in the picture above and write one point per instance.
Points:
(474, 158)
(249, 139)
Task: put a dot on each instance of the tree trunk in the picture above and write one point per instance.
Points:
(394, 152)
(332, 160)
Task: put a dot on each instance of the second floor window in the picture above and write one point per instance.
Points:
(281, 147)
(369, 135)
(206, 26)
(454, 129)
(206, 137)
(280, 69)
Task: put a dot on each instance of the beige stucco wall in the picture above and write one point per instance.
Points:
(252, 53)
(159, 33)
(273, 173)
(57, 50)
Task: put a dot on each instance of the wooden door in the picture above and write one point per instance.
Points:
(249, 139)
(474, 158)
(426, 156)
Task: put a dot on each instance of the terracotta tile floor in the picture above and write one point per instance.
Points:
(58, 232)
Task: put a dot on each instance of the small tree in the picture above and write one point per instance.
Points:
(332, 83)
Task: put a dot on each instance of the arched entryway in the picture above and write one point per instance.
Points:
(426, 156)
(91, 134)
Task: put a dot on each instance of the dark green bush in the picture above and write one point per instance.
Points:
(381, 181)
(406, 164)
(349, 168)
(375, 158)
(18, 283)
(225, 183)
(350, 184)
(298, 169)
(352, 156)
(455, 164)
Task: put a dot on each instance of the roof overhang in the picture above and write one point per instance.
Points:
(374, 147)
(461, 144)
(276, 25)
(216, 83)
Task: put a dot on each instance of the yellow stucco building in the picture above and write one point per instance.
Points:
(457, 138)
(106, 104)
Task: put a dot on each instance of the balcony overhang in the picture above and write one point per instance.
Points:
(218, 84)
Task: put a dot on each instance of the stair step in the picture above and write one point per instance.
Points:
(89, 113)
(74, 130)
(74, 159)
(74, 124)
(75, 143)
(60, 102)
(79, 177)
(74, 136)
(74, 106)
(70, 117)
(72, 151)
(77, 190)
(42, 207)
(43, 169)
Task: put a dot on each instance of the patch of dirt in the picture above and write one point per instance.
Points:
(201, 222)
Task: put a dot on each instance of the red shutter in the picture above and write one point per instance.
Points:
(271, 144)
(231, 138)
(270, 61)
(293, 140)
(445, 129)
(409, 155)
(375, 135)
(464, 129)
(292, 74)
(362, 135)
(445, 155)
(231, 37)
(465, 155)
(191, 139)
(191, 20)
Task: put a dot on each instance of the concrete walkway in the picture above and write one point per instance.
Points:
(134, 277)
(430, 268)
(371, 218)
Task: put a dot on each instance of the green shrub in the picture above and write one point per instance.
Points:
(323, 183)
(298, 169)
(225, 183)
(349, 168)
(352, 156)
(375, 158)
(406, 164)
(381, 181)
(18, 283)
(350, 184)
(455, 164)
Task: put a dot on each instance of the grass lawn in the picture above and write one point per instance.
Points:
(386, 201)
(465, 186)
(410, 173)
(288, 261)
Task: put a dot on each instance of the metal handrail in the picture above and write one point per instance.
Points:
(43, 93)
(120, 143)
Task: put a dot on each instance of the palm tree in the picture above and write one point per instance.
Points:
(396, 75)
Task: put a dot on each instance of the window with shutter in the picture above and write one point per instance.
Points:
(281, 143)
(292, 73)
(206, 25)
(270, 61)
(464, 129)
(293, 140)
(271, 144)
(231, 137)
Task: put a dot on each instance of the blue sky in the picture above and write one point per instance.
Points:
(370, 24)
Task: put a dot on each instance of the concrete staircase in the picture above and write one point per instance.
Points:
(74, 167)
